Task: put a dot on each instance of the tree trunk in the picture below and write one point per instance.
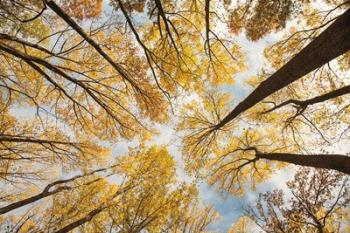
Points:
(53, 6)
(46, 192)
(93, 213)
(29, 200)
(81, 221)
(331, 43)
(318, 99)
(330, 95)
(336, 162)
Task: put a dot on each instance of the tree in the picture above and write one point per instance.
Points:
(83, 87)
(318, 202)
(83, 9)
(242, 225)
(76, 80)
(320, 51)
(148, 197)
(233, 148)
(49, 190)
(84, 90)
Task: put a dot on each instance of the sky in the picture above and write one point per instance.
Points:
(229, 207)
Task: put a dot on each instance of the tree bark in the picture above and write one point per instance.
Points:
(46, 192)
(81, 221)
(93, 213)
(336, 162)
(29, 200)
(330, 95)
(331, 43)
(25, 139)
(318, 99)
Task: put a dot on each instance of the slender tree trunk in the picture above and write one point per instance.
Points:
(93, 213)
(328, 161)
(318, 99)
(331, 43)
(46, 192)
(64, 16)
(330, 95)
(29, 200)
(19, 139)
(81, 221)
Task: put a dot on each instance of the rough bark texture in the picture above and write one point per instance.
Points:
(331, 43)
(328, 161)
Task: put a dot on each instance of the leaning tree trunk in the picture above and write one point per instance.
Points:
(30, 200)
(70, 21)
(80, 221)
(331, 43)
(327, 161)
(87, 218)
(318, 99)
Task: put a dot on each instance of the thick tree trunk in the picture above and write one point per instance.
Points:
(328, 161)
(331, 43)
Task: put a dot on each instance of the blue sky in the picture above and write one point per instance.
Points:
(229, 207)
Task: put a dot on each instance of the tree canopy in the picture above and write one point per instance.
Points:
(79, 78)
(318, 202)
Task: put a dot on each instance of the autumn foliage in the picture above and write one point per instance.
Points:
(85, 86)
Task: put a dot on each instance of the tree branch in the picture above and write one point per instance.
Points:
(82, 33)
